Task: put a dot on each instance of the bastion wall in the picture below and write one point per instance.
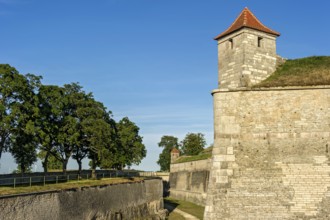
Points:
(271, 154)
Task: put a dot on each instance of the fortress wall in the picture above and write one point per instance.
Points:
(271, 154)
(139, 200)
(188, 181)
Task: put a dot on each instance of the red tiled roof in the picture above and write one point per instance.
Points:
(246, 19)
(174, 150)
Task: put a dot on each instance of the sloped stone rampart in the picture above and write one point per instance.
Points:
(139, 200)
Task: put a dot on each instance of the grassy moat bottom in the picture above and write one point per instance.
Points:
(188, 207)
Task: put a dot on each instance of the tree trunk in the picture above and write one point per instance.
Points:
(79, 166)
(22, 169)
(2, 146)
(45, 164)
(94, 167)
(64, 164)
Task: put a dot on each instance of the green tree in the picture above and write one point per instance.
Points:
(131, 149)
(8, 96)
(60, 127)
(25, 110)
(69, 130)
(97, 131)
(193, 144)
(167, 143)
(110, 153)
(24, 151)
(62, 121)
(92, 127)
(16, 91)
(51, 107)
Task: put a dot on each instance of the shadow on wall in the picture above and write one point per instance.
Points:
(166, 188)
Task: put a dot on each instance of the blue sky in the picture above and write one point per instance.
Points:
(154, 61)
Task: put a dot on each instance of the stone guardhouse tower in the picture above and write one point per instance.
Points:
(271, 151)
(246, 52)
(175, 154)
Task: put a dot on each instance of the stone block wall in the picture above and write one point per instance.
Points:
(245, 58)
(189, 181)
(271, 154)
(138, 200)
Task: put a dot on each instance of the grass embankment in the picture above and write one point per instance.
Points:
(309, 71)
(205, 154)
(67, 185)
(184, 159)
(188, 207)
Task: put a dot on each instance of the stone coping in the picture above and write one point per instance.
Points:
(74, 188)
(246, 89)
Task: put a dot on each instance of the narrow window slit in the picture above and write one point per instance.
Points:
(259, 41)
(231, 43)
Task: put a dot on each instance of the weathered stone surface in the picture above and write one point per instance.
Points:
(271, 154)
(188, 181)
(141, 200)
(271, 146)
(246, 57)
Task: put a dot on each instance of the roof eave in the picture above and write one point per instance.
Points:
(222, 35)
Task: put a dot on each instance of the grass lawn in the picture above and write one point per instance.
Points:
(4, 190)
(184, 159)
(191, 208)
(175, 216)
(308, 71)
(205, 154)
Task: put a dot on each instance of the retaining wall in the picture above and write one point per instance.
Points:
(138, 200)
(189, 181)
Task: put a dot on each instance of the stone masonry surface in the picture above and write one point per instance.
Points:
(139, 200)
(242, 62)
(189, 181)
(271, 154)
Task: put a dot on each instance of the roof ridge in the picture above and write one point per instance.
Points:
(245, 17)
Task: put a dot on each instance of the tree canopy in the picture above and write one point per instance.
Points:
(167, 143)
(18, 113)
(61, 122)
(131, 150)
(193, 144)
